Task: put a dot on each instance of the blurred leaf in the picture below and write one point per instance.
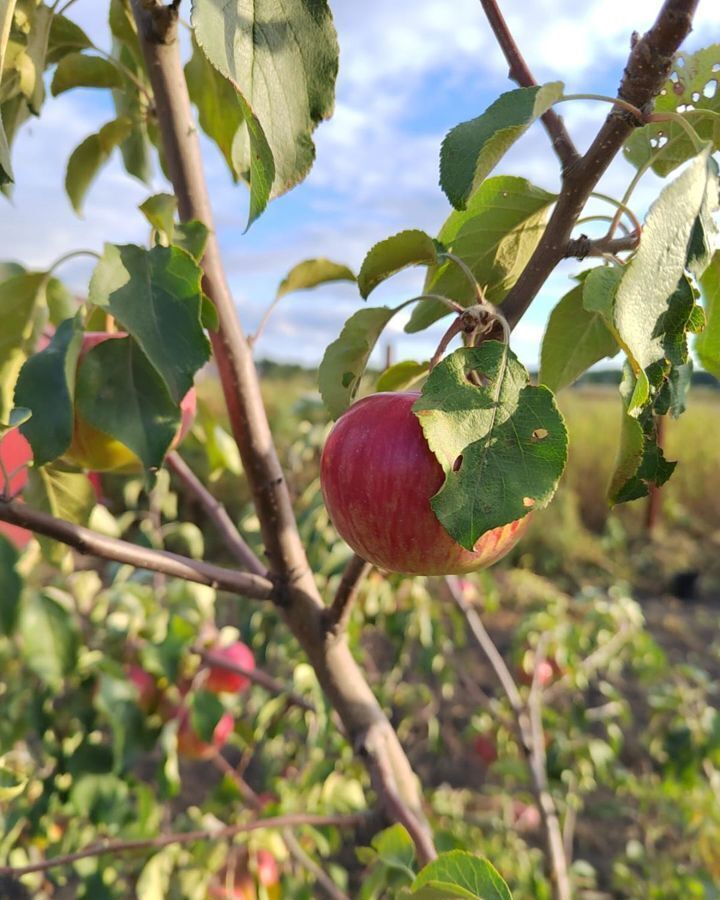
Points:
(154, 880)
(192, 237)
(36, 49)
(10, 586)
(402, 375)
(49, 638)
(6, 14)
(61, 303)
(496, 236)
(156, 296)
(163, 658)
(104, 798)
(344, 362)
(472, 149)
(88, 158)
(122, 24)
(510, 436)
(707, 343)
(133, 104)
(65, 495)
(11, 785)
(574, 340)
(312, 272)
(46, 385)
(18, 415)
(674, 236)
(65, 37)
(21, 297)
(206, 710)
(408, 248)
(460, 874)
(284, 68)
(160, 210)
(119, 392)
(395, 848)
(81, 70)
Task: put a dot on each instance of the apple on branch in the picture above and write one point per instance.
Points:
(221, 679)
(378, 475)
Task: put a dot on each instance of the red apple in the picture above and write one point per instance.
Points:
(15, 454)
(485, 748)
(267, 868)
(93, 449)
(547, 671)
(378, 474)
(242, 888)
(148, 692)
(190, 744)
(220, 679)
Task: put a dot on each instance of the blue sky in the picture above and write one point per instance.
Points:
(409, 71)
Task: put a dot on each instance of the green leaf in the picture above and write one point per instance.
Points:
(395, 848)
(312, 272)
(460, 874)
(80, 70)
(284, 65)
(21, 301)
(495, 236)
(46, 385)
(640, 461)
(6, 172)
(156, 296)
(6, 15)
(501, 443)
(10, 586)
(252, 146)
(219, 112)
(18, 415)
(65, 37)
(11, 785)
(160, 210)
(472, 149)
(122, 25)
(164, 657)
(191, 237)
(574, 340)
(49, 638)
(206, 710)
(65, 495)
(408, 248)
(132, 103)
(119, 392)
(671, 398)
(402, 375)
(669, 243)
(36, 49)
(344, 362)
(90, 156)
(707, 344)
(155, 877)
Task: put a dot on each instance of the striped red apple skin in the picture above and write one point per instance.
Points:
(378, 474)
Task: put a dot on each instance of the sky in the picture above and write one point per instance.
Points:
(409, 71)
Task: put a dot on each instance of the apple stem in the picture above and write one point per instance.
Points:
(467, 272)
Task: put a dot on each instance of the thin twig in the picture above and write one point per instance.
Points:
(86, 541)
(520, 73)
(292, 820)
(256, 676)
(338, 613)
(528, 723)
(583, 246)
(218, 515)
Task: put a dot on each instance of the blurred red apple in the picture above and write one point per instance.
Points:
(221, 679)
(95, 450)
(242, 888)
(547, 671)
(485, 748)
(190, 744)
(148, 692)
(378, 474)
(15, 454)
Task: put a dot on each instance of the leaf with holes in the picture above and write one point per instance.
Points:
(501, 442)
(408, 248)
(156, 296)
(472, 149)
(675, 236)
(495, 236)
(707, 344)
(575, 339)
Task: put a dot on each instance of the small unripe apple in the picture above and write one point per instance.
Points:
(16, 454)
(93, 449)
(192, 746)
(220, 679)
(378, 474)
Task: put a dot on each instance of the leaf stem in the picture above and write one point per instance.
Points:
(72, 255)
(621, 207)
(616, 101)
(467, 271)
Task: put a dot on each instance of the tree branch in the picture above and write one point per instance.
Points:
(528, 724)
(217, 514)
(338, 613)
(86, 541)
(296, 591)
(583, 246)
(256, 676)
(294, 820)
(520, 73)
(645, 74)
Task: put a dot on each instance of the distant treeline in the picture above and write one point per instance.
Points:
(270, 369)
